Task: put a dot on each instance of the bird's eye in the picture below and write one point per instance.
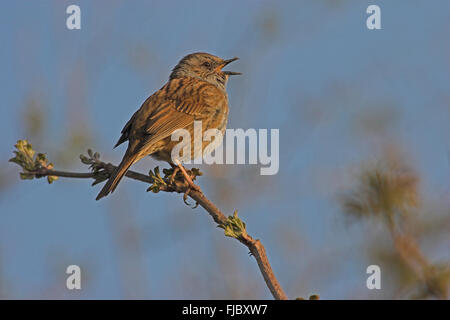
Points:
(207, 64)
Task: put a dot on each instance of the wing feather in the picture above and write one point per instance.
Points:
(174, 106)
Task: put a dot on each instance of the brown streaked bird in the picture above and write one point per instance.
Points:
(196, 90)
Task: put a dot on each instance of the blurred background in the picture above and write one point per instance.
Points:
(364, 173)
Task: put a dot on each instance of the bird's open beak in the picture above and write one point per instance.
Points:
(226, 62)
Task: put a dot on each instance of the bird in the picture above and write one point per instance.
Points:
(195, 91)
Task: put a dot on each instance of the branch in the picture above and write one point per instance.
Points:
(434, 277)
(38, 167)
(390, 192)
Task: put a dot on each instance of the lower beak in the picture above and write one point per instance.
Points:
(232, 73)
(226, 62)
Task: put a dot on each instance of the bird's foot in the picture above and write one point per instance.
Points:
(185, 196)
(178, 177)
(190, 184)
(187, 177)
(173, 175)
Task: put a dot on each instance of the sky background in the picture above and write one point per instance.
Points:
(340, 94)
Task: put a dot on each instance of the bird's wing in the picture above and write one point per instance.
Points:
(126, 130)
(175, 106)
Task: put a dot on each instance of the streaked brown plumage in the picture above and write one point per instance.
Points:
(196, 90)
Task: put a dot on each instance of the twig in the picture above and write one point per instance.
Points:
(232, 225)
(255, 246)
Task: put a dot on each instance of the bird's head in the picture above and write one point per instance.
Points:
(204, 66)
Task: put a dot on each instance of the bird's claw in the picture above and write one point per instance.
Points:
(185, 196)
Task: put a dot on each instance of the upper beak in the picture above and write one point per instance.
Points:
(230, 73)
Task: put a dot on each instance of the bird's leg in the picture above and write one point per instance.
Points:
(188, 179)
(191, 185)
(174, 173)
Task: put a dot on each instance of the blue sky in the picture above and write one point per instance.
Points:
(311, 69)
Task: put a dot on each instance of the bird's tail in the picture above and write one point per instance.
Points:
(117, 175)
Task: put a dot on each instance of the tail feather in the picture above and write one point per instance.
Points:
(117, 175)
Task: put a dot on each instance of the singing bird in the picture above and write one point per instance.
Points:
(196, 91)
